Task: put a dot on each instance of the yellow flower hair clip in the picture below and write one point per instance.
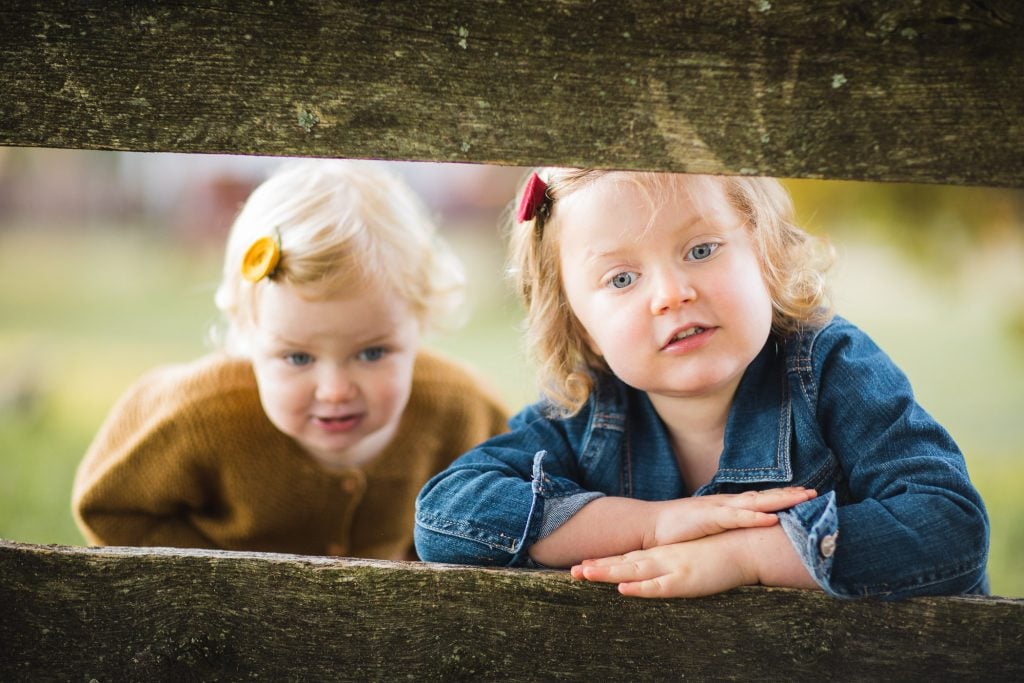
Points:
(261, 258)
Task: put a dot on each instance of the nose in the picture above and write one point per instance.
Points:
(671, 289)
(334, 385)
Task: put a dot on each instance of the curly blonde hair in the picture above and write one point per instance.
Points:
(793, 265)
(342, 226)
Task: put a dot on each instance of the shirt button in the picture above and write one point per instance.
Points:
(348, 485)
(828, 545)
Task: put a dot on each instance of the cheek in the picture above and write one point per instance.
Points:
(278, 411)
(744, 288)
(751, 303)
(605, 328)
(587, 316)
(279, 394)
(583, 333)
(759, 296)
(391, 387)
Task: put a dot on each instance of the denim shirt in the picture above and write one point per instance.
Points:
(896, 514)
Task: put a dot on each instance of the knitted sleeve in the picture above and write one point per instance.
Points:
(143, 478)
(451, 410)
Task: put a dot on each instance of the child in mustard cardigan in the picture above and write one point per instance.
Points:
(315, 426)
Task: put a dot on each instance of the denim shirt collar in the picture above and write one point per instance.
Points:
(761, 407)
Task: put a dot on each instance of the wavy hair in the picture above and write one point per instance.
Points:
(343, 226)
(793, 265)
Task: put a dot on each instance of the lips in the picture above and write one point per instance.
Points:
(688, 336)
(341, 423)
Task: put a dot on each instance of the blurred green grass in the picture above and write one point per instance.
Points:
(84, 311)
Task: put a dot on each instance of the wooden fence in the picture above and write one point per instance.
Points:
(898, 91)
(132, 614)
(883, 90)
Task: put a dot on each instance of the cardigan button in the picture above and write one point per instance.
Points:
(828, 545)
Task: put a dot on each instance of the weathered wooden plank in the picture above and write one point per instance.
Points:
(159, 614)
(885, 89)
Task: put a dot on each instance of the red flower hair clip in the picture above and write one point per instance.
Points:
(533, 198)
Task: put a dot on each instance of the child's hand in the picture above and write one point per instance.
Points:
(708, 565)
(687, 519)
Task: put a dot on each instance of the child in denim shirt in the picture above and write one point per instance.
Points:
(690, 355)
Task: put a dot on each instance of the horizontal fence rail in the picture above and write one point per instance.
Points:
(161, 614)
(898, 90)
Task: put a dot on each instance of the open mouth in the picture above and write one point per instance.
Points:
(337, 424)
(688, 338)
(686, 333)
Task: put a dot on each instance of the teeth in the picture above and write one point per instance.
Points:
(688, 333)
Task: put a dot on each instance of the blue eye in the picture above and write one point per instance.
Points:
(702, 251)
(623, 279)
(374, 353)
(298, 358)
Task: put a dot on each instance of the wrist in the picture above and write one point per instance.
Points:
(749, 553)
(756, 555)
(771, 559)
(652, 513)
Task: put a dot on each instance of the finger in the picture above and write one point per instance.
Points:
(650, 588)
(577, 570)
(665, 586)
(793, 491)
(637, 570)
(612, 559)
(771, 500)
(725, 518)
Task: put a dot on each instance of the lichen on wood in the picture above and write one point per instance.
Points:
(905, 90)
(145, 614)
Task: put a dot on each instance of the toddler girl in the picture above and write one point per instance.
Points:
(688, 352)
(314, 427)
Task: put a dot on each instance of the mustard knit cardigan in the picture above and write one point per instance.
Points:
(187, 458)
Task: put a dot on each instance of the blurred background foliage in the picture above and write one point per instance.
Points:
(108, 263)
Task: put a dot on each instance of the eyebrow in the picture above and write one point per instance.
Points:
(590, 256)
(360, 341)
(281, 341)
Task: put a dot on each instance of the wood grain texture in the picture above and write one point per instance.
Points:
(885, 90)
(902, 90)
(131, 614)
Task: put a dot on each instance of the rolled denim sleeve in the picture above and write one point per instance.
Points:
(813, 529)
(493, 503)
(558, 509)
(903, 519)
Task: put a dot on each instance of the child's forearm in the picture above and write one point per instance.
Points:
(613, 526)
(604, 526)
(124, 528)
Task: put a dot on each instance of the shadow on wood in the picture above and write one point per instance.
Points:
(163, 614)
